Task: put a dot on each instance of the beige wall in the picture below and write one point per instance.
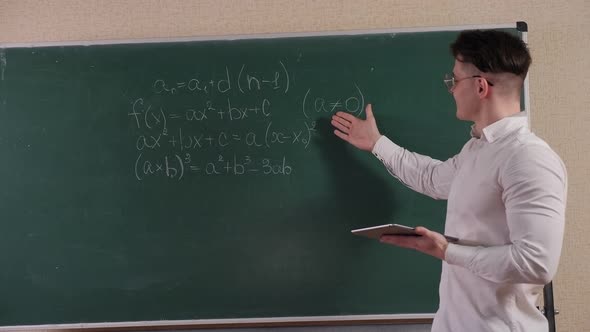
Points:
(559, 37)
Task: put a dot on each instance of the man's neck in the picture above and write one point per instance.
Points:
(494, 112)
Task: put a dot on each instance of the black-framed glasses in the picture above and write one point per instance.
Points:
(450, 80)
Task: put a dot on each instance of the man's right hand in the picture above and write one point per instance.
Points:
(361, 133)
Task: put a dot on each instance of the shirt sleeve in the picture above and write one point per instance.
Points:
(421, 173)
(534, 183)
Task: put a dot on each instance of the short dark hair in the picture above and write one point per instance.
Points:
(493, 51)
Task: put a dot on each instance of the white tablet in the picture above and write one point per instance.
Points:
(376, 232)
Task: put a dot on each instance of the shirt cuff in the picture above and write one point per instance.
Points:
(385, 149)
(460, 255)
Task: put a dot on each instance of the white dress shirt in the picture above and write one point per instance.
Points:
(506, 191)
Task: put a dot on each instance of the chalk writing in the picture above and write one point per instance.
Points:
(353, 103)
(175, 166)
(270, 136)
(181, 123)
(245, 81)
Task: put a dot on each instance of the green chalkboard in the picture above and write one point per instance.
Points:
(201, 179)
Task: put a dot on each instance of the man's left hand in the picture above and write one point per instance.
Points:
(429, 242)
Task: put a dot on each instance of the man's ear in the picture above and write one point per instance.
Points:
(483, 87)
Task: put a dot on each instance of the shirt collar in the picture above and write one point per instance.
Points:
(502, 127)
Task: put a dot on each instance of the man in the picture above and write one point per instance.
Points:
(506, 191)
